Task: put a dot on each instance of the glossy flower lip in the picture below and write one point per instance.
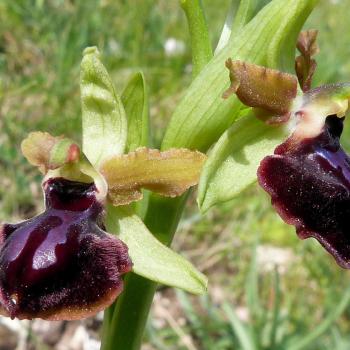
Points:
(61, 264)
(309, 184)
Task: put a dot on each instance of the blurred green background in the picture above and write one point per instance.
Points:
(268, 290)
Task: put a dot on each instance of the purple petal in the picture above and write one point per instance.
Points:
(61, 264)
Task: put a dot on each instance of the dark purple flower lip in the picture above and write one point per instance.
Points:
(309, 184)
(61, 264)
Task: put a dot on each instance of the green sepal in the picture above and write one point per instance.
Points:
(135, 101)
(233, 162)
(151, 259)
(103, 115)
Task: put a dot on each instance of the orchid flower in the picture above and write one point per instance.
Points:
(62, 264)
(308, 176)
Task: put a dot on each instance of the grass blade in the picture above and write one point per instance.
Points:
(325, 325)
(239, 329)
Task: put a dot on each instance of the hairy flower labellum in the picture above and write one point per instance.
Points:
(61, 264)
(309, 184)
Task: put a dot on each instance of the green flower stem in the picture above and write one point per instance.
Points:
(130, 313)
(107, 319)
(202, 51)
(125, 321)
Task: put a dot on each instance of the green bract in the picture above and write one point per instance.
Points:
(151, 259)
(232, 163)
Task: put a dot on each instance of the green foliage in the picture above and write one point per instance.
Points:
(269, 39)
(246, 11)
(40, 52)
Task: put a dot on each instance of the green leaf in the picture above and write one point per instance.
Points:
(135, 101)
(246, 340)
(227, 28)
(151, 259)
(268, 39)
(236, 20)
(103, 115)
(233, 162)
(200, 42)
(246, 11)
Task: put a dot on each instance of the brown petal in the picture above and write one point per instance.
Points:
(307, 44)
(261, 87)
(168, 173)
(305, 65)
(49, 152)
